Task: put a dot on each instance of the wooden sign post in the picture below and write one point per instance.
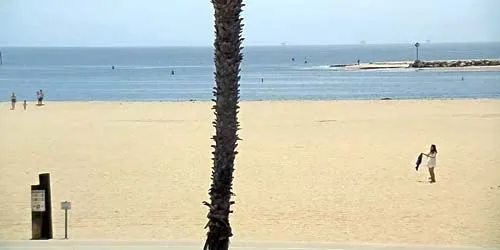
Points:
(41, 209)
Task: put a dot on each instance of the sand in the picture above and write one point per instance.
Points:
(325, 171)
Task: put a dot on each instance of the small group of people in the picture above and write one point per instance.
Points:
(39, 98)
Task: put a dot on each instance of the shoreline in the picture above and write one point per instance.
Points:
(383, 99)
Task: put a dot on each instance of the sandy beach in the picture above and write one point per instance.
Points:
(316, 171)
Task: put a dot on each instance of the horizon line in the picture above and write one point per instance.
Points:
(251, 45)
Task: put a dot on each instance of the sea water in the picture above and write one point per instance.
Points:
(267, 73)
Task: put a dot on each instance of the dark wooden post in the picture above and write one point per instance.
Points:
(41, 209)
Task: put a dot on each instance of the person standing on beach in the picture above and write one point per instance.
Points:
(39, 97)
(13, 100)
(431, 163)
(25, 104)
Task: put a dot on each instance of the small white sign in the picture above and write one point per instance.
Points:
(65, 205)
(38, 200)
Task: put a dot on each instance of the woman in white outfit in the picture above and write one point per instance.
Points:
(431, 163)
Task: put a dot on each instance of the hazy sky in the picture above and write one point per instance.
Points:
(267, 22)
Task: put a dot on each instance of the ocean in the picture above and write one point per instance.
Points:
(268, 73)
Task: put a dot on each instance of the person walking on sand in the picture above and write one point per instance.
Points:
(13, 100)
(431, 162)
(25, 104)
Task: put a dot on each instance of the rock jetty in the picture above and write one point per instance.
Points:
(453, 63)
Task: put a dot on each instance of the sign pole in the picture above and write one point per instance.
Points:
(66, 205)
(66, 223)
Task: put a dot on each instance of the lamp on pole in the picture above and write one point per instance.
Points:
(416, 46)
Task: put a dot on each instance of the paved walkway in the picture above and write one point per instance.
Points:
(163, 245)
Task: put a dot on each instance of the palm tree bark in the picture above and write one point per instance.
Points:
(228, 57)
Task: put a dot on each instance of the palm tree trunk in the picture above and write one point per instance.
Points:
(228, 56)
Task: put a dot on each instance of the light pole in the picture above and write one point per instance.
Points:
(416, 46)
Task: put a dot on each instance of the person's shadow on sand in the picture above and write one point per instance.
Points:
(424, 181)
(40, 104)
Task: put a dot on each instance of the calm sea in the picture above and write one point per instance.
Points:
(145, 73)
